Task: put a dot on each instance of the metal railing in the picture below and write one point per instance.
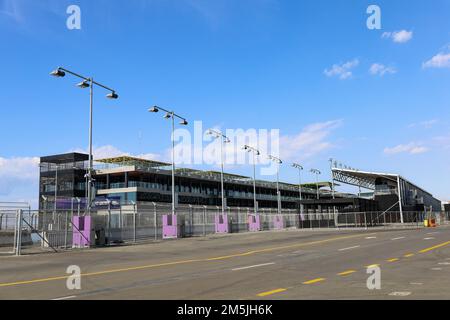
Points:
(50, 230)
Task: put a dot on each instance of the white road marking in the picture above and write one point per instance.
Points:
(398, 238)
(64, 298)
(255, 266)
(430, 233)
(400, 293)
(436, 269)
(444, 263)
(370, 238)
(431, 238)
(349, 248)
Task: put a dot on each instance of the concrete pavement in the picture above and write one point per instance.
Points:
(415, 264)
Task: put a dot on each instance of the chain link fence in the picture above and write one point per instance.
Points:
(54, 231)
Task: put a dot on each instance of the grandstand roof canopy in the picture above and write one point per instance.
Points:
(361, 178)
(127, 160)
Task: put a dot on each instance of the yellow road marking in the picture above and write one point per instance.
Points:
(282, 247)
(97, 273)
(268, 293)
(393, 260)
(409, 255)
(435, 247)
(314, 281)
(11, 284)
(372, 266)
(346, 273)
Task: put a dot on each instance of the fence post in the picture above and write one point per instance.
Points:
(365, 219)
(204, 221)
(155, 221)
(191, 220)
(19, 232)
(109, 222)
(66, 230)
(134, 222)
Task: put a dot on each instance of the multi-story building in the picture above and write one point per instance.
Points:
(142, 182)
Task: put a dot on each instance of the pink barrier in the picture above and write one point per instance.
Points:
(222, 223)
(170, 227)
(278, 222)
(81, 232)
(254, 223)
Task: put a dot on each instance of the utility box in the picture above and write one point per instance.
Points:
(173, 226)
(83, 232)
(223, 223)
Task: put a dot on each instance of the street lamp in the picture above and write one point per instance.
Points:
(223, 139)
(278, 162)
(171, 115)
(87, 83)
(255, 153)
(300, 168)
(317, 172)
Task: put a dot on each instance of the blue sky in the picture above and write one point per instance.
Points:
(303, 67)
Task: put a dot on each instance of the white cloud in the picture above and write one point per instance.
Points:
(19, 176)
(10, 8)
(109, 151)
(19, 179)
(401, 36)
(381, 70)
(311, 141)
(343, 71)
(441, 60)
(410, 148)
(425, 124)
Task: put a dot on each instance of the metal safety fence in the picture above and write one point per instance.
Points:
(51, 231)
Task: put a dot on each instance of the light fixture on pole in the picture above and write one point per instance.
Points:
(300, 169)
(223, 139)
(278, 161)
(255, 153)
(171, 115)
(88, 82)
(317, 172)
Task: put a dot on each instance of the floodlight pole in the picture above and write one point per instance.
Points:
(172, 115)
(317, 172)
(255, 153)
(173, 162)
(300, 168)
(91, 157)
(61, 72)
(278, 162)
(223, 139)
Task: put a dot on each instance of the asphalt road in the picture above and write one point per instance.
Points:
(415, 264)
